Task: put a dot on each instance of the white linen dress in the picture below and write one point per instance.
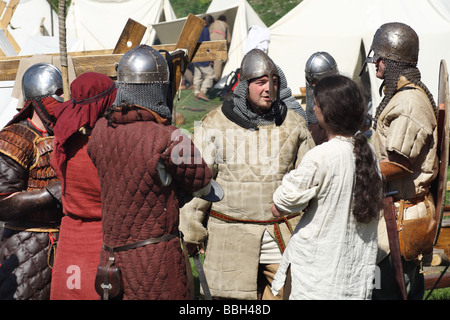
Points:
(331, 255)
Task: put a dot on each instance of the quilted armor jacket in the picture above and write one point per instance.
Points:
(138, 205)
(408, 126)
(249, 164)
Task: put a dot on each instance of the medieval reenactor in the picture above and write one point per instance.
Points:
(29, 190)
(318, 66)
(80, 239)
(250, 142)
(332, 254)
(405, 139)
(143, 163)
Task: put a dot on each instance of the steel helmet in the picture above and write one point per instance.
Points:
(320, 65)
(256, 64)
(143, 64)
(395, 41)
(143, 79)
(42, 80)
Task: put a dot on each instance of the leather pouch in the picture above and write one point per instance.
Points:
(416, 236)
(108, 282)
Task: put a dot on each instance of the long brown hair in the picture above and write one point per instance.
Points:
(342, 105)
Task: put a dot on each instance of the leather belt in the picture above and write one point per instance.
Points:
(142, 243)
(276, 224)
(30, 227)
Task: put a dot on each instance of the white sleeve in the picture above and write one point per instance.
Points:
(299, 186)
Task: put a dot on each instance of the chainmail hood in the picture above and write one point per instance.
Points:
(243, 109)
(277, 113)
(393, 71)
(148, 95)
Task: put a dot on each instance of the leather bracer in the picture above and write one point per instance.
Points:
(23, 203)
(392, 170)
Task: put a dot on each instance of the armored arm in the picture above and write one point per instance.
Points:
(22, 203)
(395, 167)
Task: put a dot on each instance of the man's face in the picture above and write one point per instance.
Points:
(380, 66)
(258, 94)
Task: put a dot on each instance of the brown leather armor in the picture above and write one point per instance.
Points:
(18, 142)
(41, 173)
(33, 153)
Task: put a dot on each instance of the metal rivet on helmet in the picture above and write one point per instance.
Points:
(42, 80)
(143, 64)
(396, 41)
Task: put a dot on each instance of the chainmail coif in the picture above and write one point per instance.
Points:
(284, 101)
(393, 71)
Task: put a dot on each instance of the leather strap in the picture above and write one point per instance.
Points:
(276, 223)
(202, 276)
(189, 274)
(112, 250)
(391, 226)
(142, 243)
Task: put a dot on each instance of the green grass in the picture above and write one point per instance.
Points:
(438, 294)
(195, 275)
(269, 11)
(192, 110)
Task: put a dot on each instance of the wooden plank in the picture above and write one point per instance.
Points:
(190, 34)
(102, 64)
(77, 53)
(443, 241)
(13, 42)
(102, 61)
(131, 36)
(210, 51)
(4, 22)
(188, 40)
(8, 13)
(2, 7)
(430, 280)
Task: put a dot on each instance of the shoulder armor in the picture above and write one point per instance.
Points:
(18, 142)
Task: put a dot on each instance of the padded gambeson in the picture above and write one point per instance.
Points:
(136, 206)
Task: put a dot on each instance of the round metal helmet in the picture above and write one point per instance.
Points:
(319, 65)
(256, 64)
(42, 80)
(395, 41)
(143, 64)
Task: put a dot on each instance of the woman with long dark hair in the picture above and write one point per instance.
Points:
(332, 253)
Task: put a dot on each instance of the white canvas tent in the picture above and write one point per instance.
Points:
(245, 18)
(345, 29)
(99, 23)
(240, 17)
(34, 27)
(33, 18)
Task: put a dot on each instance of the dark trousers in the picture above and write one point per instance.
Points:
(387, 288)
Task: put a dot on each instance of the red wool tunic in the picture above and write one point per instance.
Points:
(79, 245)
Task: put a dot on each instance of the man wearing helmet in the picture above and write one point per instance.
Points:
(250, 142)
(318, 66)
(29, 190)
(143, 163)
(405, 139)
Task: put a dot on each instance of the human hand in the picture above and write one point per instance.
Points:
(277, 212)
(193, 248)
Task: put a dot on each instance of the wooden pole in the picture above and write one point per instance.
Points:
(63, 48)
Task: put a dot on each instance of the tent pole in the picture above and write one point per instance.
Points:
(63, 48)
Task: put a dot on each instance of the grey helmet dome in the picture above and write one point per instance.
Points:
(42, 80)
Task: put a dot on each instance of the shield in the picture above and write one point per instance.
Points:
(439, 186)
